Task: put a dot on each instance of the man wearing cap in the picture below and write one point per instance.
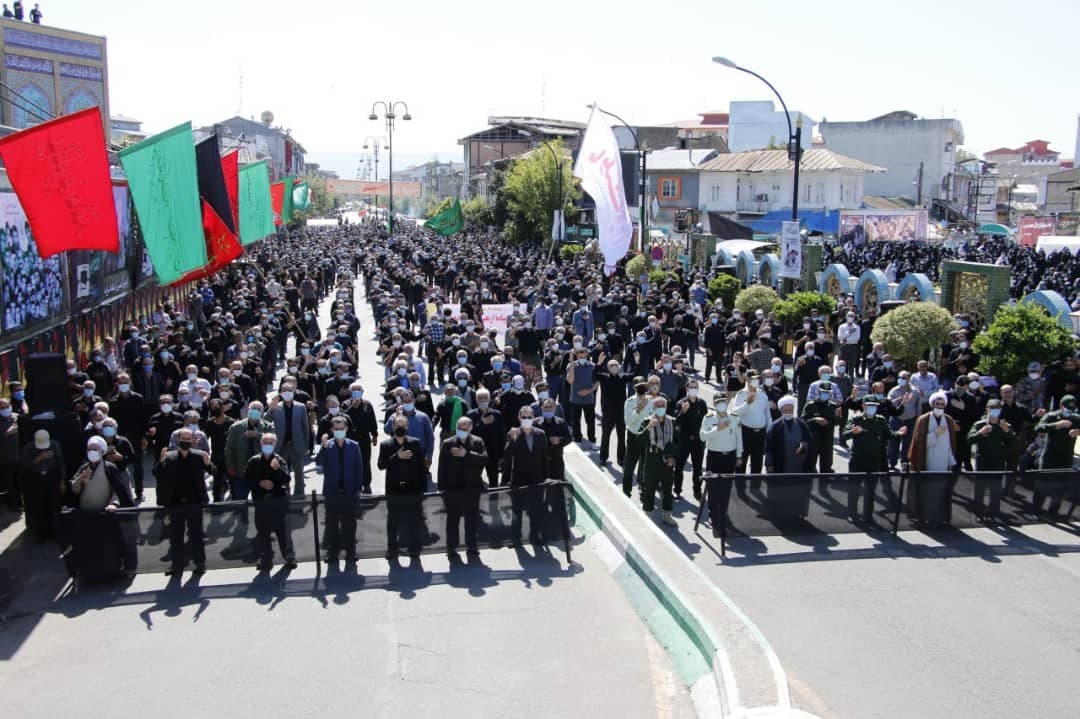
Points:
(1061, 428)
(868, 432)
(637, 410)
(821, 414)
(43, 483)
(991, 439)
(723, 442)
(932, 450)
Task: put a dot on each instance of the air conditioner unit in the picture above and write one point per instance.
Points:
(761, 198)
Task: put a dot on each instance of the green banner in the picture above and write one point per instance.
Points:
(163, 180)
(448, 221)
(287, 202)
(301, 197)
(256, 209)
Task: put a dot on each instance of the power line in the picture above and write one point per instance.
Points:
(47, 116)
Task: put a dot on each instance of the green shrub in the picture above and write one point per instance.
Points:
(912, 330)
(724, 288)
(569, 252)
(1019, 335)
(790, 310)
(635, 266)
(757, 297)
(658, 277)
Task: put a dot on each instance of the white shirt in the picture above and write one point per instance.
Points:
(728, 439)
(633, 418)
(751, 414)
(849, 333)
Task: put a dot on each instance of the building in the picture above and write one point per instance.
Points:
(259, 141)
(707, 125)
(758, 125)
(50, 72)
(917, 154)
(125, 130)
(758, 182)
(673, 181)
(437, 179)
(1062, 191)
(507, 137)
(1032, 159)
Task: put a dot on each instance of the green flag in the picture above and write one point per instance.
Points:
(286, 202)
(163, 181)
(301, 196)
(448, 221)
(256, 209)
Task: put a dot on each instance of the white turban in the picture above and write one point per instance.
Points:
(938, 395)
(786, 401)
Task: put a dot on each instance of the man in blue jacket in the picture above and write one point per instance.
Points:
(343, 479)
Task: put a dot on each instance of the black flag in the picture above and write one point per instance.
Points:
(212, 180)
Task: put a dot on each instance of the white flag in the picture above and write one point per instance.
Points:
(599, 166)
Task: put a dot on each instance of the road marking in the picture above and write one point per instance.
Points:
(662, 682)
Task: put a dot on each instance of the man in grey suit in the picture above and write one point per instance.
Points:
(293, 430)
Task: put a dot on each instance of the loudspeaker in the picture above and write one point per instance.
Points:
(46, 383)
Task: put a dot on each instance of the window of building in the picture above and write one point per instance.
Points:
(716, 193)
(671, 188)
(819, 193)
(805, 192)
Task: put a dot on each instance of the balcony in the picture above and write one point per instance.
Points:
(756, 207)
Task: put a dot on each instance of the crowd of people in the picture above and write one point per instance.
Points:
(16, 12)
(1030, 270)
(232, 396)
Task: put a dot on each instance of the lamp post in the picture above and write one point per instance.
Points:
(794, 146)
(643, 185)
(373, 143)
(389, 110)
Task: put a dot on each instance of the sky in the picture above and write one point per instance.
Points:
(1006, 70)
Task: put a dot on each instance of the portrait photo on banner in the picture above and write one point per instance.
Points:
(31, 289)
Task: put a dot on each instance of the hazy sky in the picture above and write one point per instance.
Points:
(1007, 70)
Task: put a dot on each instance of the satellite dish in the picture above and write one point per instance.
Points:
(267, 117)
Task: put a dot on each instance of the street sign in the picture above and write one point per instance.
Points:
(657, 253)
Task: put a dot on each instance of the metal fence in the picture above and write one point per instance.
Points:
(800, 504)
(104, 544)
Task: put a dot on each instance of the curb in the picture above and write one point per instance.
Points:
(715, 690)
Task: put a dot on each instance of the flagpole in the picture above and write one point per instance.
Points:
(643, 185)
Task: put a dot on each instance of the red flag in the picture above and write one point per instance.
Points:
(60, 173)
(277, 200)
(230, 165)
(222, 247)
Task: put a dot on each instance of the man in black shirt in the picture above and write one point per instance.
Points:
(267, 474)
(182, 490)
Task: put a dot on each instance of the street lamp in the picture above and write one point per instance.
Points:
(643, 185)
(374, 143)
(794, 148)
(389, 110)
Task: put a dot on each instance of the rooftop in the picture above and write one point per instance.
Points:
(1038, 148)
(527, 125)
(676, 159)
(813, 160)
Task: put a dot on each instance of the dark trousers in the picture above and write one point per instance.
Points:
(898, 446)
(365, 463)
(340, 525)
(462, 505)
(41, 503)
(491, 468)
(137, 465)
(576, 411)
(821, 450)
(526, 500)
(753, 442)
(714, 359)
(635, 460)
(221, 480)
(694, 449)
(9, 484)
(613, 421)
(270, 519)
(404, 523)
(988, 488)
(719, 490)
(864, 487)
(189, 516)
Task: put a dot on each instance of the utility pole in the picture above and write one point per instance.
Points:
(918, 187)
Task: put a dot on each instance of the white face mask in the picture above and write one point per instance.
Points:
(769, 381)
(93, 456)
(754, 383)
(526, 423)
(692, 392)
(938, 411)
(721, 406)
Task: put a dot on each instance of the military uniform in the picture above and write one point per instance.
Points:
(991, 454)
(866, 456)
(1057, 453)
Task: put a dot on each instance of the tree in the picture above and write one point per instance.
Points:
(1019, 335)
(790, 310)
(568, 253)
(532, 191)
(478, 211)
(910, 331)
(322, 202)
(635, 266)
(758, 297)
(725, 288)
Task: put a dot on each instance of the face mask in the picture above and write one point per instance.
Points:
(667, 366)
(809, 351)
(462, 360)
(409, 406)
(483, 405)
(88, 393)
(888, 365)
(692, 392)
(995, 413)
(821, 335)
(755, 383)
(496, 366)
(826, 377)
(455, 342)
(339, 434)
(519, 385)
(841, 370)
(184, 444)
(166, 408)
(267, 450)
(1034, 375)
(806, 325)
(871, 411)
(5, 412)
(237, 373)
(164, 356)
(357, 394)
(769, 381)
(938, 411)
(661, 411)
(324, 370)
(93, 456)
(20, 395)
(254, 415)
(225, 395)
(333, 410)
(789, 417)
(963, 345)
(148, 368)
(287, 396)
(526, 423)
(305, 351)
(485, 345)
(902, 382)
(506, 386)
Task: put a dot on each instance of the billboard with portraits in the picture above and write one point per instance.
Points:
(31, 289)
(98, 277)
(862, 226)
